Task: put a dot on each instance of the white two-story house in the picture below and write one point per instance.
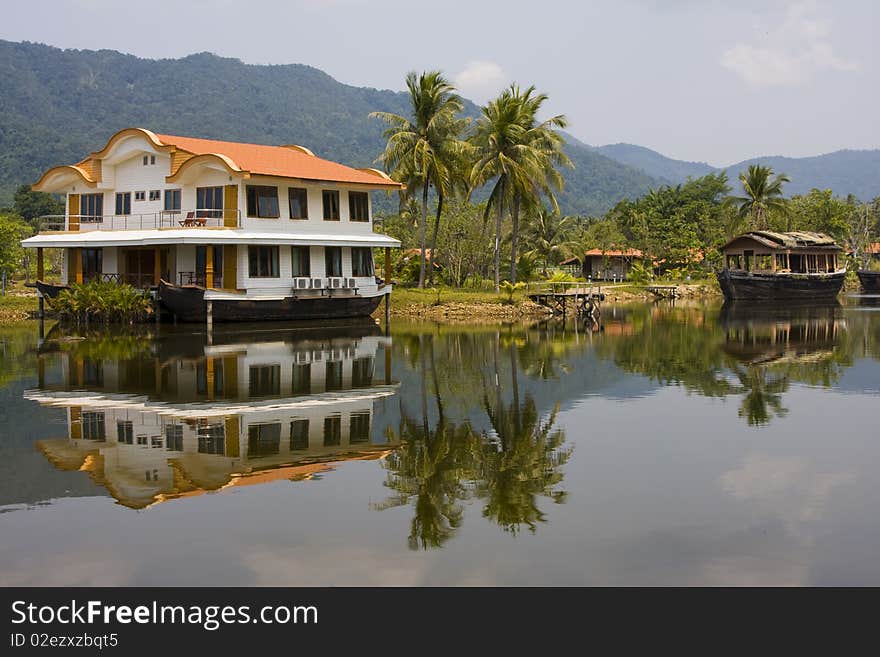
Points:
(242, 231)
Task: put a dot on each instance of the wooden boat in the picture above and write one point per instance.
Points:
(768, 266)
(870, 280)
(50, 290)
(188, 304)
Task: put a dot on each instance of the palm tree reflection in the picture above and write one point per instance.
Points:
(440, 465)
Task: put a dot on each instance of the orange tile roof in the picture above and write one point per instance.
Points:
(628, 253)
(284, 161)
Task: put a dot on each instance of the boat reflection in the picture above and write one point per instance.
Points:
(175, 415)
(771, 347)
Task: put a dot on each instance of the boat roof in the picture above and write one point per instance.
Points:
(788, 240)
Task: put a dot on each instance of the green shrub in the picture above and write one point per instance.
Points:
(102, 302)
(509, 288)
(639, 274)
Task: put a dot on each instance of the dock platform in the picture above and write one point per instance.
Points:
(565, 298)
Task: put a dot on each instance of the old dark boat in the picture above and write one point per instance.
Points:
(870, 280)
(189, 303)
(769, 266)
(50, 290)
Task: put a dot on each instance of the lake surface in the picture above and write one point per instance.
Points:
(663, 445)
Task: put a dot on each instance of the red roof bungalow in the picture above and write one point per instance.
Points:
(613, 264)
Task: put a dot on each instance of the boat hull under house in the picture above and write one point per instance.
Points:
(262, 232)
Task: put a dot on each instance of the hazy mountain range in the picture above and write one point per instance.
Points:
(56, 106)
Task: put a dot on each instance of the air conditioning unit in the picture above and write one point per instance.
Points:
(335, 283)
(335, 355)
(302, 357)
(301, 283)
(317, 284)
(352, 283)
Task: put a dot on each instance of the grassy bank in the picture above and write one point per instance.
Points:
(19, 303)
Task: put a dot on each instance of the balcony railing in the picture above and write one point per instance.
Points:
(198, 218)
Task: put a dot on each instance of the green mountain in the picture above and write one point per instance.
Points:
(654, 164)
(56, 106)
(846, 171)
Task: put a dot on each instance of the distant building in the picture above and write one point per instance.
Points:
(603, 265)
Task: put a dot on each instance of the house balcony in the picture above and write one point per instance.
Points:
(169, 219)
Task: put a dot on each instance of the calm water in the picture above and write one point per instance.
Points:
(663, 445)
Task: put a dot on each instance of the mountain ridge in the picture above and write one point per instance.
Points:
(57, 106)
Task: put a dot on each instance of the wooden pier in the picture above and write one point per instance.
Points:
(663, 291)
(568, 298)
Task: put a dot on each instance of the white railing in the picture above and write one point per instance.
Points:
(198, 218)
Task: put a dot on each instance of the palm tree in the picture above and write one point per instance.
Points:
(548, 235)
(520, 155)
(762, 195)
(421, 150)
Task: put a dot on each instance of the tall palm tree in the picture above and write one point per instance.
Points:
(548, 235)
(422, 149)
(763, 193)
(520, 155)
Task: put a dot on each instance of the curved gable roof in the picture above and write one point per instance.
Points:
(283, 161)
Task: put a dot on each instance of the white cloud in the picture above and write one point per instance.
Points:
(789, 55)
(480, 80)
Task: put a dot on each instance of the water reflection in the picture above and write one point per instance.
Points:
(441, 463)
(158, 416)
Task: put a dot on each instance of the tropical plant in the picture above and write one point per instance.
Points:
(762, 195)
(520, 154)
(424, 149)
(100, 301)
(548, 236)
(510, 288)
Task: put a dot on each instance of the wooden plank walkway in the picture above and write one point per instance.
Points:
(663, 291)
(564, 298)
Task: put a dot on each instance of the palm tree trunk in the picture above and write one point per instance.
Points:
(499, 202)
(434, 237)
(514, 239)
(422, 224)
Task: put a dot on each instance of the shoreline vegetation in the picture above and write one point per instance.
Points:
(443, 303)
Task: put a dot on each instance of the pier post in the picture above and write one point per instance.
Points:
(387, 294)
(40, 312)
(40, 267)
(209, 316)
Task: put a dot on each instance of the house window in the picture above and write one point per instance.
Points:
(262, 202)
(361, 261)
(155, 194)
(265, 380)
(298, 201)
(92, 264)
(212, 438)
(93, 426)
(142, 440)
(264, 439)
(358, 206)
(333, 260)
(146, 160)
(91, 207)
(299, 434)
(140, 196)
(123, 203)
(124, 432)
(362, 372)
(152, 159)
(263, 262)
(300, 261)
(332, 430)
(333, 375)
(359, 429)
(209, 201)
(174, 437)
(302, 379)
(331, 205)
(172, 200)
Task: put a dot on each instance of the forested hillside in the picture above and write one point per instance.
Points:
(56, 106)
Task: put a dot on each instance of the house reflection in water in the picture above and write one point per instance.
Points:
(178, 417)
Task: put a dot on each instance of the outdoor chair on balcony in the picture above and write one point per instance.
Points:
(192, 220)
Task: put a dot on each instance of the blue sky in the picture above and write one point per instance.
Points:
(706, 80)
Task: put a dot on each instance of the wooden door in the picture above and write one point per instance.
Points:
(230, 267)
(73, 212)
(230, 206)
